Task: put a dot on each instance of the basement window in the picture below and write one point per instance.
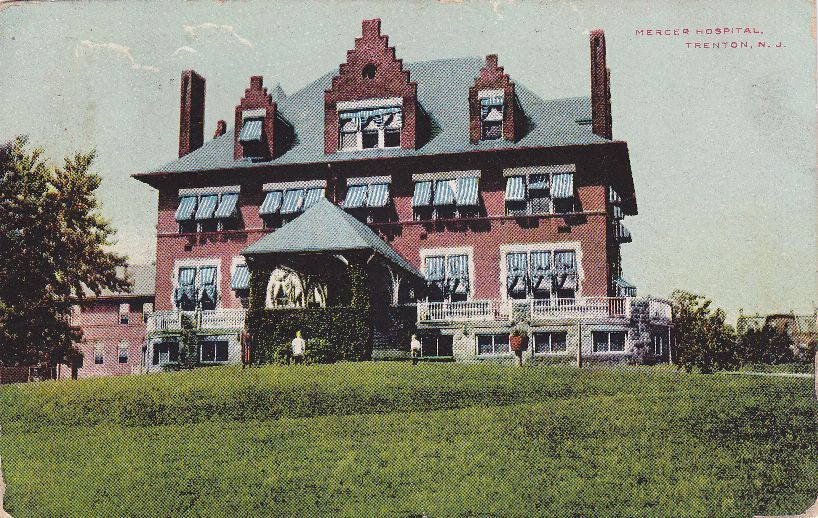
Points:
(609, 341)
(493, 344)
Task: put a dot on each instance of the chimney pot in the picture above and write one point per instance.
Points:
(491, 60)
(221, 129)
(256, 82)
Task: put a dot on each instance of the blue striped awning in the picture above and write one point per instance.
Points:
(492, 101)
(565, 261)
(186, 288)
(227, 206)
(378, 195)
(540, 261)
(187, 207)
(444, 194)
(617, 212)
(251, 131)
(207, 206)
(613, 197)
(623, 234)
(312, 196)
(435, 268)
(423, 194)
(241, 278)
(624, 288)
(356, 197)
(467, 191)
(515, 188)
(271, 203)
(538, 182)
(458, 276)
(517, 270)
(563, 186)
(293, 198)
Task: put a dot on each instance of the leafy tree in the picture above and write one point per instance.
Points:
(188, 344)
(53, 246)
(766, 345)
(703, 340)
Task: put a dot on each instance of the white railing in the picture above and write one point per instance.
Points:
(456, 311)
(586, 307)
(659, 309)
(171, 320)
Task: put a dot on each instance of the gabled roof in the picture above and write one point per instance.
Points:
(324, 228)
(143, 282)
(443, 87)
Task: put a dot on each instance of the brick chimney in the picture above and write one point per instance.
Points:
(221, 129)
(191, 112)
(600, 87)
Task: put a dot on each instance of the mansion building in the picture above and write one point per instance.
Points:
(493, 208)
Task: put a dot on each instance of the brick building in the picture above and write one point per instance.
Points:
(113, 327)
(510, 205)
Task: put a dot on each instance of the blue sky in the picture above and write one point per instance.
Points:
(722, 142)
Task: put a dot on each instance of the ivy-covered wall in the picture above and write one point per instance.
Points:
(347, 327)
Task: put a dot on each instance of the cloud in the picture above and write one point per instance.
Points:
(189, 50)
(193, 31)
(89, 47)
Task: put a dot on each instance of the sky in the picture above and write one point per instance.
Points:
(722, 141)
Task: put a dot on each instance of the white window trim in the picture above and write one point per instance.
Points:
(446, 252)
(540, 169)
(492, 354)
(204, 191)
(302, 184)
(253, 114)
(485, 94)
(126, 346)
(568, 246)
(549, 352)
(197, 263)
(369, 180)
(388, 102)
(626, 348)
(445, 175)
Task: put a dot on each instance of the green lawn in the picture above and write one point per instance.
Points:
(386, 438)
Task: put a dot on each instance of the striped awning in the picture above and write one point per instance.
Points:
(251, 131)
(613, 197)
(517, 270)
(187, 207)
(494, 115)
(624, 288)
(241, 278)
(492, 101)
(186, 288)
(444, 194)
(356, 197)
(563, 186)
(540, 270)
(458, 276)
(271, 203)
(227, 206)
(207, 207)
(312, 196)
(515, 188)
(565, 261)
(435, 268)
(623, 234)
(467, 192)
(423, 194)
(617, 212)
(538, 182)
(293, 198)
(378, 195)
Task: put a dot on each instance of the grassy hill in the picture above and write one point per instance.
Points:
(386, 438)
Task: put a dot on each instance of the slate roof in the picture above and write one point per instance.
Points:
(142, 277)
(442, 92)
(325, 227)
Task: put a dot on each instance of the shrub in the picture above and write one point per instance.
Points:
(766, 345)
(704, 341)
(319, 350)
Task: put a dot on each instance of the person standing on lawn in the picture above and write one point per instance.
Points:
(298, 347)
(414, 348)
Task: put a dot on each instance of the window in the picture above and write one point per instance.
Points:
(550, 342)
(370, 128)
(213, 351)
(493, 344)
(563, 192)
(251, 138)
(609, 341)
(208, 212)
(539, 193)
(99, 354)
(368, 201)
(491, 116)
(196, 287)
(436, 345)
(165, 353)
(566, 278)
(446, 198)
(448, 277)
(529, 274)
(124, 316)
(123, 352)
(659, 344)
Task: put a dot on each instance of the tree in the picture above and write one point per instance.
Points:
(767, 345)
(53, 247)
(703, 340)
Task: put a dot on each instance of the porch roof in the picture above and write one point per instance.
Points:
(326, 228)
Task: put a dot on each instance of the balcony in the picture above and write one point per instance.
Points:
(171, 320)
(541, 309)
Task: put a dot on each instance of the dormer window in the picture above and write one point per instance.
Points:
(369, 128)
(491, 114)
(251, 138)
